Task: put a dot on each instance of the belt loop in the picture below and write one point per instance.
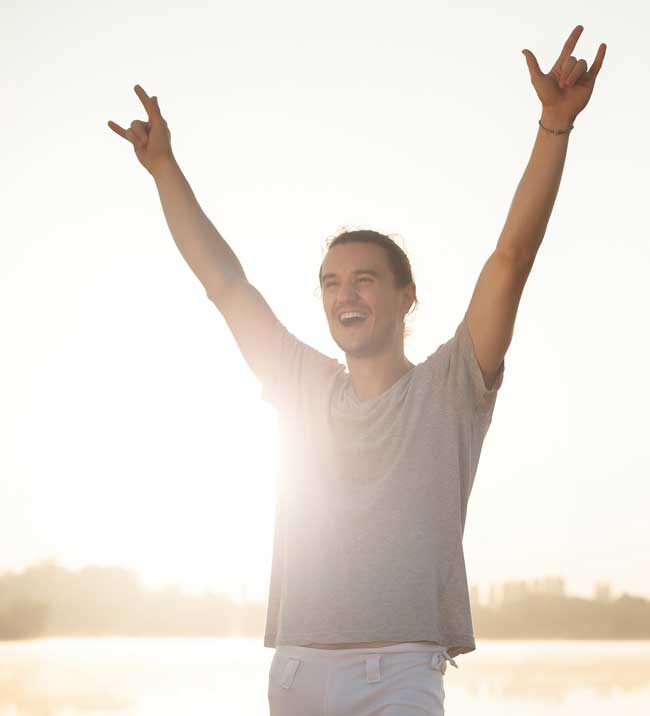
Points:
(289, 672)
(372, 668)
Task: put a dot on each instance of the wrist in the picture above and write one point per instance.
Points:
(552, 119)
(163, 167)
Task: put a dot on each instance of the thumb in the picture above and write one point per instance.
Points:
(531, 61)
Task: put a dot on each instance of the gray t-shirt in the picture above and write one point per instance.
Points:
(372, 497)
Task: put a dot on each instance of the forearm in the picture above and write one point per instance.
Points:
(208, 255)
(535, 196)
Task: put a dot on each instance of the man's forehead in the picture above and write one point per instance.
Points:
(354, 257)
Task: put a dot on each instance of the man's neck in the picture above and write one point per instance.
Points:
(374, 375)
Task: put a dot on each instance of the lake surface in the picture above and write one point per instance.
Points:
(197, 677)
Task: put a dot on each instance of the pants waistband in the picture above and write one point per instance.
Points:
(406, 647)
(296, 654)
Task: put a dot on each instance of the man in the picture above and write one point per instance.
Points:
(368, 597)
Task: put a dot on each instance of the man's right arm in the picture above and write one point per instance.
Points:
(248, 315)
(204, 249)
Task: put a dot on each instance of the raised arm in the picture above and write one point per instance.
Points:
(204, 249)
(249, 317)
(563, 92)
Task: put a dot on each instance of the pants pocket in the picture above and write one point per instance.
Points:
(283, 670)
(291, 696)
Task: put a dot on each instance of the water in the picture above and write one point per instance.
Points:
(196, 677)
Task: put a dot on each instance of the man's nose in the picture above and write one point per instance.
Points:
(348, 292)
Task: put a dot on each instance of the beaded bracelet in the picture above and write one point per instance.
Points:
(555, 131)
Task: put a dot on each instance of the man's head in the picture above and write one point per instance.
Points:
(366, 271)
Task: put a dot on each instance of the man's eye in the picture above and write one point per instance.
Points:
(363, 278)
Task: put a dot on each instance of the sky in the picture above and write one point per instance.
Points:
(133, 432)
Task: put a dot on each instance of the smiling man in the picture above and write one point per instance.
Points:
(368, 598)
(380, 460)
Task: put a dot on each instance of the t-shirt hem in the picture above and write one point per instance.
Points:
(455, 644)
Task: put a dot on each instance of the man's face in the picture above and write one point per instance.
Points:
(357, 277)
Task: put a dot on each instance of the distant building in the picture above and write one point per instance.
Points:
(519, 589)
(603, 592)
(514, 591)
(549, 585)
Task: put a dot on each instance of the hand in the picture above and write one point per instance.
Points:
(566, 89)
(151, 140)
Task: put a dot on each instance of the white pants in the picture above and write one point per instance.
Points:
(396, 680)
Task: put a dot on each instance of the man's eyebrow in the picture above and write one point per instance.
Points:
(372, 272)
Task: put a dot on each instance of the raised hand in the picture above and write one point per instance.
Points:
(567, 87)
(151, 140)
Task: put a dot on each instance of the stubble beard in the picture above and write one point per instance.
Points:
(367, 347)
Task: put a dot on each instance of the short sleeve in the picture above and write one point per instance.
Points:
(464, 372)
(295, 374)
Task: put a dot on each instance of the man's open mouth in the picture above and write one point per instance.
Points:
(352, 318)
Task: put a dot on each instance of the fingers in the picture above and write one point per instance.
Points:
(138, 131)
(136, 134)
(566, 69)
(531, 62)
(150, 104)
(146, 101)
(573, 69)
(570, 44)
(117, 129)
(565, 56)
(598, 61)
(579, 69)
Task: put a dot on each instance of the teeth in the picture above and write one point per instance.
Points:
(351, 314)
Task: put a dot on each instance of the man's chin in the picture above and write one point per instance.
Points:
(355, 348)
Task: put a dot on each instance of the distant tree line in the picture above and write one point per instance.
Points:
(551, 616)
(50, 600)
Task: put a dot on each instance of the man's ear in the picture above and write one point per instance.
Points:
(409, 297)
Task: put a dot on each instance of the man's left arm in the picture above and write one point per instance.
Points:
(564, 92)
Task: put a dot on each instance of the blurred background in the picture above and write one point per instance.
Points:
(136, 450)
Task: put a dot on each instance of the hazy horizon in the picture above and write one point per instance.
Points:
(134, 432)
(486, 592)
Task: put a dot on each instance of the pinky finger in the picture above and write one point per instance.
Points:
(598, 61)
(117, 129)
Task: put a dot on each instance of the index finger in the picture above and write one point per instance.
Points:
(145, 99)
(570, 44)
